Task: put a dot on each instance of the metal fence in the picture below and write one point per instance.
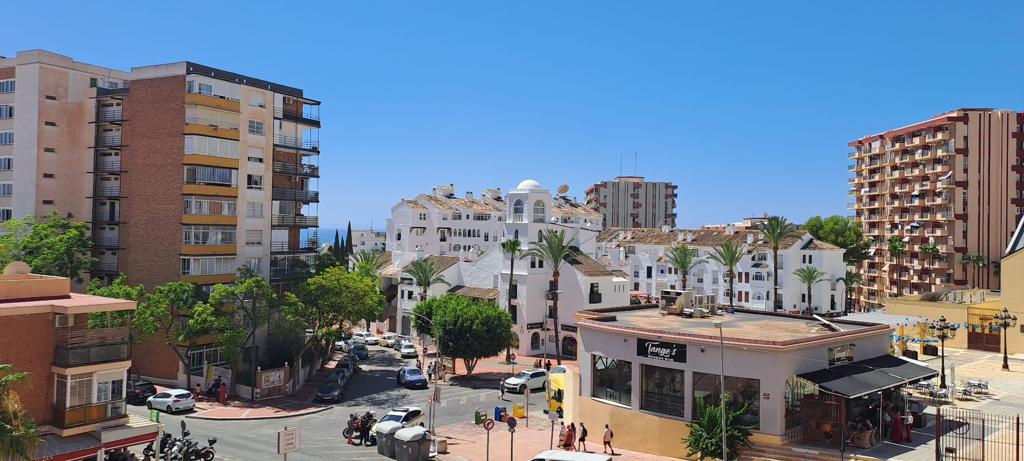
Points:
(970, 435)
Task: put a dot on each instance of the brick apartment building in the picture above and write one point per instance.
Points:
(955, 181)
(630, 201)
(76, 386)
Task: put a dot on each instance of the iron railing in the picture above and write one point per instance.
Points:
(108, 165)
(108, 141)
(298, 169)
(296, 143)
(110, 115)
(107, 191)
(106, 217)
(306, 116)
(294, 221)
(284, 247)
(296, 195)
(289, 272)
(105, 242)
(105, 267)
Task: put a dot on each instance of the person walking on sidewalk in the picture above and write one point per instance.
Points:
(501, 388)
(583, 437)
(561, 435)
(570, 437)
(608, 434)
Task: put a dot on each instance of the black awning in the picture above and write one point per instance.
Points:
(867, 376)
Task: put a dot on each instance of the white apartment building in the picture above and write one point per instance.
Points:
(641, 254)
(368, 240)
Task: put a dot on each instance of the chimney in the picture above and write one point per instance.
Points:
(665, 228)
(730, 229)
(689, 236)
(469, 195)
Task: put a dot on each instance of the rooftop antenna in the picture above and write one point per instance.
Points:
(634, 163)
(620, 163)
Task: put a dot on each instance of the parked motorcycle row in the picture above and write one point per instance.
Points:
(180, 448)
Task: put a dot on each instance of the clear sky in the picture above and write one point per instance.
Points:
(747, 106)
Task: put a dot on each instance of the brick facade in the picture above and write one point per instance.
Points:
(28, 343)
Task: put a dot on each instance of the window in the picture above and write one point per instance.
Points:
(6, 214)
(517, 211)
(254, 181)
(206, 145)
(535, 341)
(254, 210)
(6, 137)
(740, 392)
(256, 127)
(208, 86)
(50, 123)
(209, 265)
(254, 263)
(48, 202)
(6, 111)
(6, 86)
(201, 174)
(6, 163)
(254, 237)
(49, 149)
(51, 97)
(663, 390)
(6, 189)
(256, 154)
(538, 211)
(422, 216)
(195, 205)
(208, 235)
(49, 175)
(79, 389)
(256, 100)
(612, 380)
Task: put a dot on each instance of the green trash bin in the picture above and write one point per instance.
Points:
(154, 416)
(479, 417)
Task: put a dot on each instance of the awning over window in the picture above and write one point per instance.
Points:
(868, 376)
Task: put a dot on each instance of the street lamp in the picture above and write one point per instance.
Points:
(942, 330)
(721, 349)
(1005, 320)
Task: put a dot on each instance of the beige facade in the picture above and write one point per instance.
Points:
(630, 201)
(953, 181)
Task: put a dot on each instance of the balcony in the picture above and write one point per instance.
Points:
(109, 141)
(107, 164)
(88, 414)
(107, 191)
(296, 143)
(106, 242)
(285, 248)
(595, 298)
(297, 169)
(307, 117)
(279, 273)
(294, 221)
(296, 195)
(104, 267)
(90, 346)
(110, 115)
(106, 217)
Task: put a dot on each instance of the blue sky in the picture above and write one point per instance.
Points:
(747, 106)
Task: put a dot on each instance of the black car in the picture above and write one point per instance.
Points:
(138, 391)
(330, 391)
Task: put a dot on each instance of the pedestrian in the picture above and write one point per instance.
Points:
(547, 366)
(561, 435)
(570, 437)
(910, 424)
(583, 437)
(501, 389)
(430, 372)
(608, 439)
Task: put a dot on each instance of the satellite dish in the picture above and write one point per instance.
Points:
(563, 189)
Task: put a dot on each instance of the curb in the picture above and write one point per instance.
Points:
(256, 418)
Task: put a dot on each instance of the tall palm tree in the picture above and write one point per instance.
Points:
(511, 248)
(728, 255)
(897, 248)
(425, 274)
(18, 433)
(809, 276)
(976, 261)
(552, 248)
(930, 249)
(776, 230)
(851, 281)
(683, 258)
(368, 260)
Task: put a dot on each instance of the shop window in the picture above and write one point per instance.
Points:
(663, 390)
(741, 394)
(612, 380)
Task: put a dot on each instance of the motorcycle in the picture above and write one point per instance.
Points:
(206, 453)
(165, 441)
(355, 423)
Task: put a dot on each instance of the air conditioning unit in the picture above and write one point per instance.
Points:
(288, 100)
(63, 321)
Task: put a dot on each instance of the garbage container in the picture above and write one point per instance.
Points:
(412, 444)
(518, 410)
(479, 417)
(386, 437)
(498, 411)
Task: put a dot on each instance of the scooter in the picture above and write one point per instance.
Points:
(206, 453)
(165, 441)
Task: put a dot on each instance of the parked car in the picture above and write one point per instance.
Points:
(407, 416)
(349, 363)
(343, 346)
(365, 337)
(388, 340)
(330, 391)
(172, 400)
(408, 350)
(557, 370)
(360, 351)
(139, 391)
(411, 377)
(532, 379)
(339, 375)
(399, 340)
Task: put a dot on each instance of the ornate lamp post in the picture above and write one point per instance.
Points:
(1005, 320)
(942, 330)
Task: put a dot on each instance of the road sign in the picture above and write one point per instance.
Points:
(489, 424)
(553, 416)
(511, 421)
(287, 440)
(527, 392)
(512, 429)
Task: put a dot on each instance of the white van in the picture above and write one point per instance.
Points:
(559, 455)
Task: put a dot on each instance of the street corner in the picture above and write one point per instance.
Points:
(230, 413)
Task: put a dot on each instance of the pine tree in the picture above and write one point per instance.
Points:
(337, 248)
(348, 242)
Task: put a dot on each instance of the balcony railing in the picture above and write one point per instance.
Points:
(105, 242)
(296, 143)
(108, 165)
(212, 123)
(108, 141)
(110, 115)
(294, 221)
(88, 414)
(89, 346)
(298, 169)
(108, 191)
(284, 247)
(296, 195)
(306, 116)
(105, 267)
(595, 298)
(106, 217)
(289, 272)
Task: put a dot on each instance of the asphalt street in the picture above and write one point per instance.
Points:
(373, 389)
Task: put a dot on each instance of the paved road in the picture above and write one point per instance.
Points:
(320, 434)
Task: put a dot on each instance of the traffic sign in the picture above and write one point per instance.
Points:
(512, 429)
(527, 392)
(287, 440)
(511, 421)
(553, 416)
(488, 424)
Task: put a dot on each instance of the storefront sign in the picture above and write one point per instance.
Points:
(569, 328)
(838, 355)
(661, 350)
(535, 326)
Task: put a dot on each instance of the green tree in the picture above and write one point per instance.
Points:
(349, 250)
(324, 260)
(776, 230)
(930, 249)
(553, 248)
(810, 276)
(51, 245)
(170, 302)
(683, 258)
(977, 262)
(368, 263)
(897, 248)
(511, 248)
(842, 232)
(19, 434)
(338, 248)
(850, 281)
(425, 274)
(728, 255)
(423, 320)
(470, 330)
(138, 321)
(239, 309)
(705, 439)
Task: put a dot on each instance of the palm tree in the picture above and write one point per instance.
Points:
(368, 261)
(18, 432)
(552, 248)
(511, 248)
(776, 230)
(425, 274)
(851, 281)
(683, 258)
(897, 248)
(728, 255)
(977, 261)
(809, 276)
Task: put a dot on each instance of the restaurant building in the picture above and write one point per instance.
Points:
(644, 367)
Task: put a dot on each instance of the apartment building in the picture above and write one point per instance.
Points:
(186, 172)
(76, 385)
(953, 181)
(641, 254)
(368, 240)
(632, 201)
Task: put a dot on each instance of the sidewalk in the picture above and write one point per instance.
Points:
(493, 368)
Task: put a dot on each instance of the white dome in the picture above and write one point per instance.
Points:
(528, 184)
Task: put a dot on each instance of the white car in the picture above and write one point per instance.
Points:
(407, 416)
(388, 340)
(533, 379)
(408, 351)
(365, 338)
(172, 400)
(343, 346)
